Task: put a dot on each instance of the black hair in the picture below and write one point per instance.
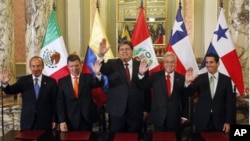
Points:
(215, 56)
(73, 57)
(125, 42)
(37, 57)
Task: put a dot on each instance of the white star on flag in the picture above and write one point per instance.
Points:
(177, 26)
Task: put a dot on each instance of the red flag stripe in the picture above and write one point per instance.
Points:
(229, 61)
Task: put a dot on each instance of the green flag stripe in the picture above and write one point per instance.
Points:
(53, 31)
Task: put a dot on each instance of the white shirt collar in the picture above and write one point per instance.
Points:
(129, 62)
(72, 76)
(39, 77)
(171, 74)
(216, 75)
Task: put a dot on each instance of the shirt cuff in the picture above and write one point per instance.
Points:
(63, 123)
(184, 118)
(99, 77)
(100, 59)
(186, 84)
(140, 76)
(4, 85)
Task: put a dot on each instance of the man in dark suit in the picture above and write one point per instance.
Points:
(126, 95)
(75, 105)
(214, 110)
(169, 101)
(38, 109)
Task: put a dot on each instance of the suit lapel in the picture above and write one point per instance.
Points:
(81, 83)
(175, 83)
(42, 86)
(122, 70)
(207, 84)
(70, 86)
(135, 69)
(32, 82)
(219, 81)
(163, 82)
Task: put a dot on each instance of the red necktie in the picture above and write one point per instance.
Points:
(127, 72)
(168, 85)
(76, 86)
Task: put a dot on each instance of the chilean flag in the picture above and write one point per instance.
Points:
(142, 42)
(223, 46)
(97, 35)
(179, 43)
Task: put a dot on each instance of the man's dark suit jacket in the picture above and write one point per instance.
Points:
(221, 105)
(72, 110)
(121, 94)
(42, 109)
(167, 111)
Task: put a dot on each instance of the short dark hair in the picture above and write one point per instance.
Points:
(125, 42)
(216, 57)
(37, 57)
(73, 57)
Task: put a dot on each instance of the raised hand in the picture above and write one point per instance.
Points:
(143, 66)
(103, 48)
(96, 67)
(5, 76)
(189, 77)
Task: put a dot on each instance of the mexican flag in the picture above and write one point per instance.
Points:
(53, 50)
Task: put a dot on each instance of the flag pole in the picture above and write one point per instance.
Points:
(221, 3)
(98, 6)
(2, 114)
(180, 4)
(54, 5)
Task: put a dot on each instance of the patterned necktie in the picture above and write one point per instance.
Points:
(36, 87)
(76, 86)
(168, 85)
(211, 81)
(127, 72)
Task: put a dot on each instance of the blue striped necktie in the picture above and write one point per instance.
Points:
(36, 87)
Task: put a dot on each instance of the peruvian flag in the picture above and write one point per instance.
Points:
(97, 34)
(53, 50)
(223, 46)
(179, 44)
(142, 42)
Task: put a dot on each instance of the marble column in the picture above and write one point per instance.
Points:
(7, 38)
(6, 57)
(189, 18)
(37, 14)
(239, 26)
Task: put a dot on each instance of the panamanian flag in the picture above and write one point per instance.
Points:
(142, 42)
(96, 37)
(179, 44)
(223, 46)
(53, 50)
